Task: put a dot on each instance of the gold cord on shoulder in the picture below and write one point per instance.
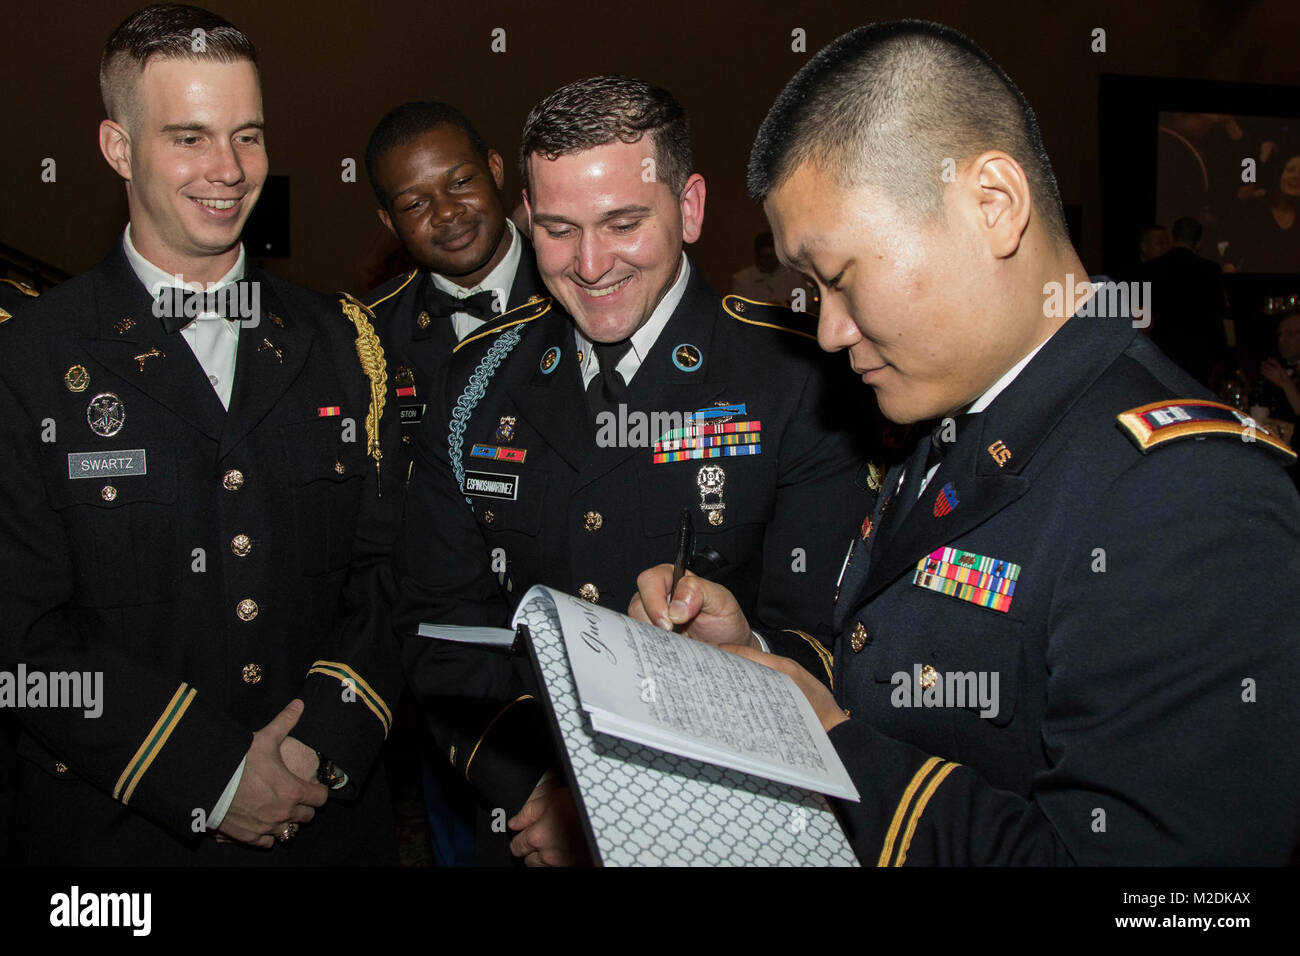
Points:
(375, 366)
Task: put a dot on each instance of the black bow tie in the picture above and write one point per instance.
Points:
(177, 308)
(442, 305)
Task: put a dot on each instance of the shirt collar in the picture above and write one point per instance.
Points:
(644, 338)
(996, 389)
(154, 278)
(501, 277)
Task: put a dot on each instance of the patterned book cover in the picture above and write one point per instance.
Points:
(646, 807)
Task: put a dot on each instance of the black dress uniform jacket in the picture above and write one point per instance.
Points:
(1148, 693)
(245, 563)
(587, 520)
(418, 345)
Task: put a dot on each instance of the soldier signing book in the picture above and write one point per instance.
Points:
(1073, 525)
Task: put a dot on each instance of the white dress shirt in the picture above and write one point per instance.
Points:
(501, 278)
(213, 339)
(643, 339)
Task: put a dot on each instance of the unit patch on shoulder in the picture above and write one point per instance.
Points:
(1152, 425)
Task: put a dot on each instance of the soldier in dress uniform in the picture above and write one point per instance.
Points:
(197, 507)
(13, 296)
(579, 435)
(1051, 644)
(439, 192)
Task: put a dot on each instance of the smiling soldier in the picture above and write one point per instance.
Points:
(192, 506)
(763, 460)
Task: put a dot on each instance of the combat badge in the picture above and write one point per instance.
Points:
(105, 415)
(710, 481)
(76, 378)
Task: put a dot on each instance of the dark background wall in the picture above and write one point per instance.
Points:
(330, 70)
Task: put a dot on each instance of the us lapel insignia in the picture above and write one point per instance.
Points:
(975, 578)
(146, 356)
(945, 500)
(124, 325)
(1000, 453)
(267, 346)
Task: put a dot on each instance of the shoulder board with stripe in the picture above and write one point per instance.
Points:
(5, 314)
(1158, 423)
(770, 315)
(534, 308)
(400, 286)
(22, 287)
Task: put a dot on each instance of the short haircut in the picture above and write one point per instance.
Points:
(164, 31)
(597, 111)
(405, 123)
(1187, 230)
(888, 105)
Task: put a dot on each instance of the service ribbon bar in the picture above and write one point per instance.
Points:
(724, 451)
(977, 578)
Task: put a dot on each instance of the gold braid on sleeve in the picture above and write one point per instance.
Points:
(371, 354)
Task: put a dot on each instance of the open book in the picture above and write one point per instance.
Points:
(678, 752)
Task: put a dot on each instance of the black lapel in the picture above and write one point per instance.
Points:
(987, 465)
(528, 281)
(130, 342)
(664, 385)
(552, 401)
(859, 558)
(271, 356)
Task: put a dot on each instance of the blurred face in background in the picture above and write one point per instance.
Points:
(1288, 339)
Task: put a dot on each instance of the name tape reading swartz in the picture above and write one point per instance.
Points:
(106, 464)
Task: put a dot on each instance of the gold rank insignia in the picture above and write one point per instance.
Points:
(76, 378)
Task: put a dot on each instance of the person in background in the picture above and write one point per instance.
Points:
(767, 280)
(1187, 303)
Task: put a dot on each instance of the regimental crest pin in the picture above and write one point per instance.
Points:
(77, 379)
(506, 429)
(945, 500)
(710, 480)
(105, 415)
(867, 527)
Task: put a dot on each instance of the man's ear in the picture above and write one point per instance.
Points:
(498, 169)
(115, 144)
(387, 220)
(1000, 190)
(692, 202)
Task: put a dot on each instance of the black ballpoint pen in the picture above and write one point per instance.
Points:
(685, 548)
